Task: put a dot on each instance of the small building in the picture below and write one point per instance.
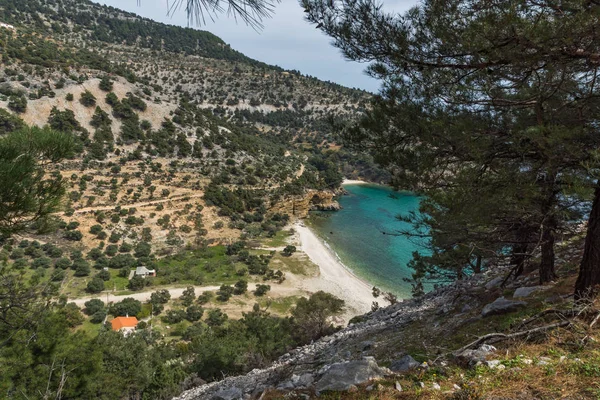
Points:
(144, 272)
(124, 324)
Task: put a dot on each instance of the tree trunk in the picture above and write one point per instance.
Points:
(477, 267)
(547, 273)
(518, 257)
(589, 270)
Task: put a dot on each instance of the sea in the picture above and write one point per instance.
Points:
(355, 235)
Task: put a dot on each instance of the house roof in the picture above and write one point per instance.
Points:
(143, 270)
(123, 322)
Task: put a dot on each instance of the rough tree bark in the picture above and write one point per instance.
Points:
(589, 270)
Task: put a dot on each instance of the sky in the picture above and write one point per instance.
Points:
(286, 40)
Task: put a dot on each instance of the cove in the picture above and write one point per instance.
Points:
(355, 234)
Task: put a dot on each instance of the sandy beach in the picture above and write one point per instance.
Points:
(334, 277)
(353, 182)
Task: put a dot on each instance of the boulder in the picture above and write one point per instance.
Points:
(494, 283)
(404, 364)
(232, 393)
(342, 376)
(526, 291)
(473, 357)
(501, 306)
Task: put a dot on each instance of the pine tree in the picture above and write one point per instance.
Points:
(481, 91)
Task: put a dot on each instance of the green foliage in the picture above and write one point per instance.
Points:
(9, 122)
(261, 290)
(225, 292)
(311, 316)
(127, 306)
(106, 84)
(288, 250)
(87, 99)
(34, 194)
(136, 283)
(93, 306)
(17, 103)
(188, 296)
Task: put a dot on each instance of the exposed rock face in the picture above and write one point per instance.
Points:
(342, 376)
(528, 290)
(404, 364)
(501, 306)
(312, 200)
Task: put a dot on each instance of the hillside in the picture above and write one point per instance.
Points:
(190, 160)
(474, 339)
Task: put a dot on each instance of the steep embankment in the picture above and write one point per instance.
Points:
(429, 348)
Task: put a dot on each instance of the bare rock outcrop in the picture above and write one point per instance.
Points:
(312, 200)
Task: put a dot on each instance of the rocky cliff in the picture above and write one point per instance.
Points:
(312, 200)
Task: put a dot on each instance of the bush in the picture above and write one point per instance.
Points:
(43, 262)
(17, 103)
(73, 235)
(62, 263)
(96, 285)
(81, 267)
(121, 261)
(224, 293)
(93, 306)
(69, 97)
(241, 287)
(106, 84)
(128, 306)
(104, 275)
(216, 317)
(261, 290)
(174, 316)
(194, 313)
(288, 250)
(87, 99)
(136, 283)
(111, 250)
(96, 229)
(205, 297)
(98, 317)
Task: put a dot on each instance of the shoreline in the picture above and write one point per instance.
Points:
(354, 182)
(335, 277)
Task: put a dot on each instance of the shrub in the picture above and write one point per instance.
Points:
(96, 229)
(216, 317)
(73, 235)
(261, 290)
(17, 103)
(62, 263)
(106, 84)
(136, 283)
(288, 250)
(92, 306)
(241, 287)
(104, 275)
(42, 262)
(128, 306)
(194, 313)
(224, 293)
(96, 285)
(69, 97)
(87, 99)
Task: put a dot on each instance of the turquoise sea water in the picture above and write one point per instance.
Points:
(355, 234)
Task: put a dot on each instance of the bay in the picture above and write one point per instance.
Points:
(355, 234)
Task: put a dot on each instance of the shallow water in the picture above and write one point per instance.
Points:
(355, 234)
